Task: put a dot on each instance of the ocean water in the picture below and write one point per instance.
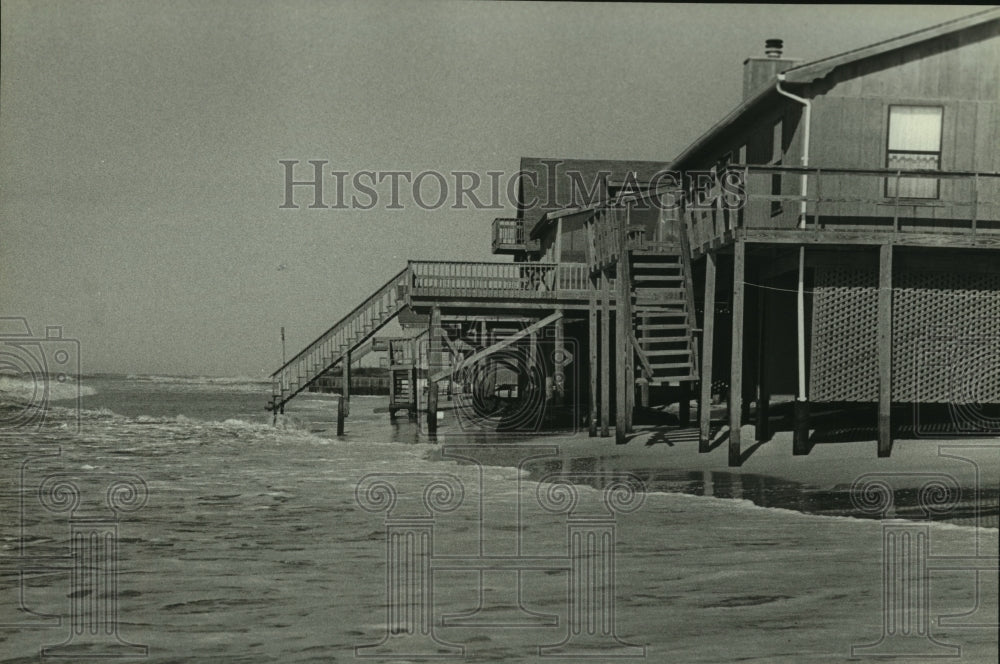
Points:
(239, 541)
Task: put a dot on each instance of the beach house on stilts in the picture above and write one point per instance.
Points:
(850, 228)
(834, 238)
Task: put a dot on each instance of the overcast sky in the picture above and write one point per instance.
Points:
(140, 184)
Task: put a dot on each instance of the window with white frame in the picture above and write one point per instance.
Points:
(914, 143)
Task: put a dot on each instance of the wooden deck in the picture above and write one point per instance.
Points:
(471, 285)
(844, 207)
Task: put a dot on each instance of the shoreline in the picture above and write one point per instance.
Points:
(944, 479)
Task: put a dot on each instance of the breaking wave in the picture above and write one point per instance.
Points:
(23, 390)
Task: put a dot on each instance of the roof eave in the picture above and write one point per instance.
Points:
(716, 129)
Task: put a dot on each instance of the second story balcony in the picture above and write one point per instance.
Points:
(788, 204)
(509, 237)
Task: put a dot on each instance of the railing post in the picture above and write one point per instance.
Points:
(819, 197)
(895, 209)
(975, 202)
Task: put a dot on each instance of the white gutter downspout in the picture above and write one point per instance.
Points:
(806, 116)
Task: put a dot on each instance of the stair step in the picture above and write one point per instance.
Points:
(665, 326)
(656, 277)
(661, 353)
(655, 259)
(681, 365)
(660, 313)
(659, 295)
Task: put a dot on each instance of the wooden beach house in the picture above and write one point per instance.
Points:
(834, 238)
(859, 261)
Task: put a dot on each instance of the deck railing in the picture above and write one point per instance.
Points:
(497, 280)
(607, 222)
(869, 200)
(509, 234)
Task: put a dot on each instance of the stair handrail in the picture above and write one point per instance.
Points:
(689, 298)
(377, 294)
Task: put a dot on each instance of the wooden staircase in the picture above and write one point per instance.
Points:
(663, 317)
(348, 334)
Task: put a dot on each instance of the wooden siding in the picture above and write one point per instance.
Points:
(850, 110)
(960, 73)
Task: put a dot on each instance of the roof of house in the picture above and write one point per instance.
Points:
(809, 72)
(817, 69)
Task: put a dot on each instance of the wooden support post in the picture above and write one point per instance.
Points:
(341, 415)
(558, 358)
(622, 348)
(625, 273)
(800, 417)
(707, 341)
(763, 390)
(684, 405)
(414, 375)
(432, 407)
(592, 352)
(434, 365)
(736, 357)
(605, 358)
(345, 383)
(885, 350)
(392, 389)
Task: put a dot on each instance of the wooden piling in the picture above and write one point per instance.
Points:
(800, 419)
(345, 383)
(434, 364)
(605, 358)
(559, 358)
(341, 415)
(592, 352)
(762, 431)
(414, 375)
(432, 407)
(885, 350)
(707, 340)
(736, 357)
(621, 349)
(684, 405)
